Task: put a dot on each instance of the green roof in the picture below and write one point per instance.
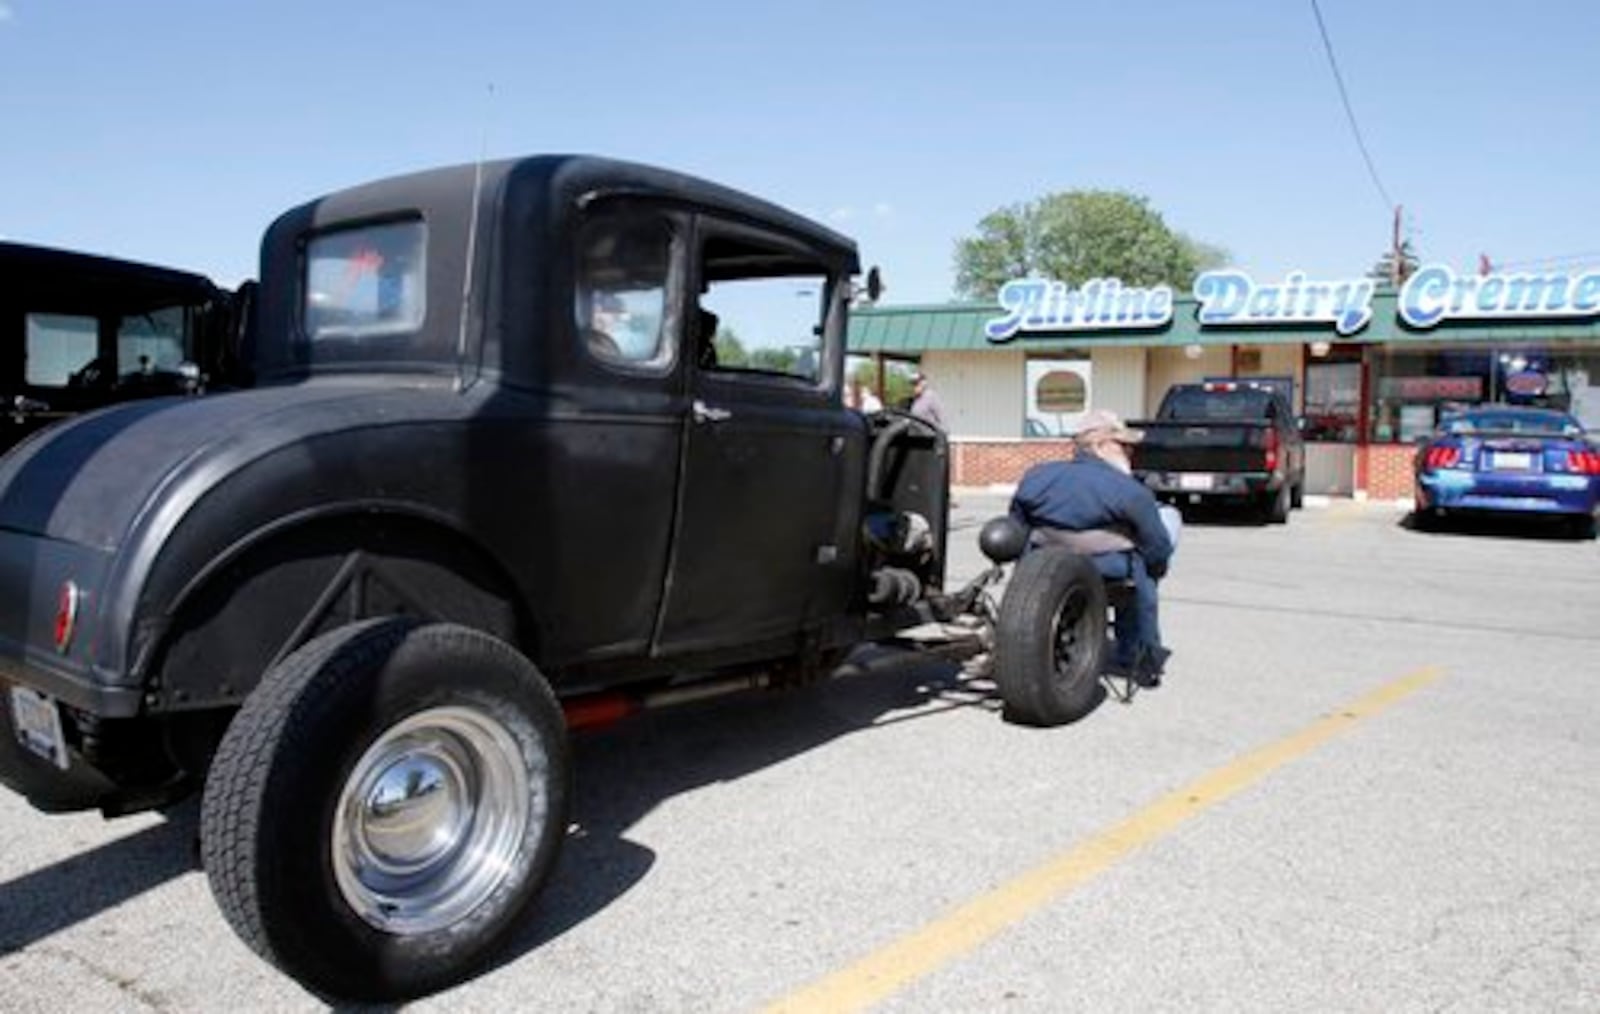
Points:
(939, 327)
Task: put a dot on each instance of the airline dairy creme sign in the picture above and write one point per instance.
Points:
(1230, 298)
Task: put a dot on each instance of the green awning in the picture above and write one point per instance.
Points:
(914, 329)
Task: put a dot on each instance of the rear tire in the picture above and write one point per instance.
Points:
(1275, 505)
(1582, 528)
(1050, 638)
(385, 806)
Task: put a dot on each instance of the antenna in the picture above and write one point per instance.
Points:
(472, 247)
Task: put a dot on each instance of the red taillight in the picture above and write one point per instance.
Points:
(1272, 450)
(66, 615)
(1584, 462)
(1441, 457)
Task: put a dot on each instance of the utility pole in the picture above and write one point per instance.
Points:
(1397, 269)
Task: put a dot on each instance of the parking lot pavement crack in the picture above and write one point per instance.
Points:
(1558, 952)
(121, 983)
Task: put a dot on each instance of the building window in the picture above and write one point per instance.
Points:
(1413, 389)
(1058, 394)
(1333, 401)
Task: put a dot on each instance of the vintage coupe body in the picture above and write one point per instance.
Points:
(1509, 460)
(361, 603)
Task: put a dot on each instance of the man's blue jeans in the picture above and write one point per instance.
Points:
(1138, 627)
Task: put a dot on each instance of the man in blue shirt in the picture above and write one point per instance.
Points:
(1114, 519)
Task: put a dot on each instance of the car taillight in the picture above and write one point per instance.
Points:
(1584, 462)
(67, 603)
(1441, 457)
(1272, 450)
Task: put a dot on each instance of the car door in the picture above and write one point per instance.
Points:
(763, 547)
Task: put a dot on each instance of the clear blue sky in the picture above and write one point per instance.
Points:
(174, 130)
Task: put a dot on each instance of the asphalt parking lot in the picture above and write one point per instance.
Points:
(1369, 783)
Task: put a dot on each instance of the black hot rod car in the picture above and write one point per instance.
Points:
(525, 436)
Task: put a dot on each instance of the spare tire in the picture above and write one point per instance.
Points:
(1050, 638)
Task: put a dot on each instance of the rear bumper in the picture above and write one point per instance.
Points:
(1194, 487)
(51, 788)
(76, 689)
(1527, 494)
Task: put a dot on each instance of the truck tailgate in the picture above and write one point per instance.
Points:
(1201, 447)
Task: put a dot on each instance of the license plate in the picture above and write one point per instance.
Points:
(1513, 461)
(1197, 480)
(38, 724)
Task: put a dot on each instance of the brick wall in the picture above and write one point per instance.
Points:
(988, 462)
(1387, 470)
(1383, 470)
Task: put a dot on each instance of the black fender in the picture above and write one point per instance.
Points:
(287, 582)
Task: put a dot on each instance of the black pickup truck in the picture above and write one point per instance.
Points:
(1224, 442)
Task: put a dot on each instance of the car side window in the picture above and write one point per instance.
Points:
(624, 267)
(153, 341)
(763, 307)
(60, 348)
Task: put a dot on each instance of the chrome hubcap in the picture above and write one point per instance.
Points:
(431, 819)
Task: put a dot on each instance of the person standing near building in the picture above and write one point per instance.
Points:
(925, 403)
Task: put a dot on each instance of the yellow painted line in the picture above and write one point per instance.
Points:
(897, 965)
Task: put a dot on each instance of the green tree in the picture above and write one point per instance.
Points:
(730, 350)
(1077, 235)
(896, 381)
(1383, 269)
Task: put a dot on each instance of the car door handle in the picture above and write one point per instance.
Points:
(706, 413)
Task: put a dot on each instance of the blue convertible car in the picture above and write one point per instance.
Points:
(1499, 458)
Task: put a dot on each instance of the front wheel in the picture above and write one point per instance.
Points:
(1050, 638)
(384, 807)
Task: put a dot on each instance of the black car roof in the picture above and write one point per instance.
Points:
(577, 175)
(42, 271)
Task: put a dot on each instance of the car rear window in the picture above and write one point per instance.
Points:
(1545, 424)
(365, 283)
(1221, 406)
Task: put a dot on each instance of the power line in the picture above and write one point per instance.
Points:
(1344, 97)
(1558, 261)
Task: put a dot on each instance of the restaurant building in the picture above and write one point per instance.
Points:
(1368, 370)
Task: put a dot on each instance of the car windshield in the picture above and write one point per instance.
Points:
(1543, 424)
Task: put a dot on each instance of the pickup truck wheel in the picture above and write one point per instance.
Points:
(1050, 637)
(385, 805)
(1275, 505)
